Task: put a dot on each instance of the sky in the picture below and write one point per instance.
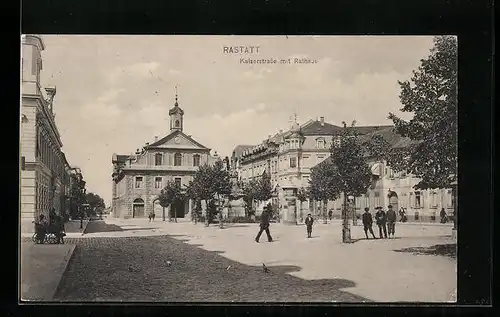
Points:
(114, 92)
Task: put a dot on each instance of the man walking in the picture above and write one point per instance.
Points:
(368, 223)
(391, 220)
(381, 220)
(309, 225)
(264, 224)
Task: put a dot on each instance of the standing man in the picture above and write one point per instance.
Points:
(381, 220)
(442, 214)
(368, 223)
(309, 224)
(391, 220)
(264, 224)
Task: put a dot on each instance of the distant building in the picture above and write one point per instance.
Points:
(44, 168)
(289, 156)
(138, 178)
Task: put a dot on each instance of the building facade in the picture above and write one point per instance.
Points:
(289, 157)
(139, 178)
(43, 166)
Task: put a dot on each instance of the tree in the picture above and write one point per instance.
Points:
(170, 195)
(96, 203)
(302, 195)
(250, 192)
(431, 95)
(212, 184)
(264, 187)
(324, 184)
(352, 176)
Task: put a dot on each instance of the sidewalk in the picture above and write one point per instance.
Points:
(42, 267)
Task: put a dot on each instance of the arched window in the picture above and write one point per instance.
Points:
(196, 160)
(158, 159)
(177, 159)
(177, 123)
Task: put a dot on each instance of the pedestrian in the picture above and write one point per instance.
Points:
(264, 224)
(59, 229)
(309, 225)
(150, 217)
(330, 214)
(444, 218)
(153, 215)
(368, 223)
(381, 220)
(41, 227)
(391, 220)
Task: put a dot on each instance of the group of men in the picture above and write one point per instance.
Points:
(386, 222)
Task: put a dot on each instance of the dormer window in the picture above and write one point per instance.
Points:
(177, 123)
(320, 143)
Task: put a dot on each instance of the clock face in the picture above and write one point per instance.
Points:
(177, 140)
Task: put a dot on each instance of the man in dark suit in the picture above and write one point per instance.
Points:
(264, 224)
(368, 223)
(391, 220)
(309, 225)
(381, 219)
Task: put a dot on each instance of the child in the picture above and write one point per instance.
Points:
(309, 224)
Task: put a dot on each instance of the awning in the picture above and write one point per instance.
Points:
(376, 169)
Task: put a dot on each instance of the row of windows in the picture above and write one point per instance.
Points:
(139, 182)
(177, 159)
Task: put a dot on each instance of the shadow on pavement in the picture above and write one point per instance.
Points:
(163, 269)
(100, 226)
(449, 250)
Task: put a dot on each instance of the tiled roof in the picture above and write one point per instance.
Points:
(316, 128)
(238, 150)
(390, 135)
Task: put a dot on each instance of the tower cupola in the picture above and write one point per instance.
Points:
(176, 115)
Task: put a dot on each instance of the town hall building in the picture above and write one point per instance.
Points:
(139, 178)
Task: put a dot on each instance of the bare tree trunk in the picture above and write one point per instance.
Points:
(346, 231)
(325, 205)
(175, 214)
(163, 215)
(219, 207)
(354, 218)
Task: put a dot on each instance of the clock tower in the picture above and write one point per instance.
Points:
(176, 115)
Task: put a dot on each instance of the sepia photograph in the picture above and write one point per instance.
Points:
(203, 168)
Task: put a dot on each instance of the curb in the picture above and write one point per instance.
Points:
(85, 227)
(70, 258)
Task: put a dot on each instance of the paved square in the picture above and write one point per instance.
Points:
(377, 270)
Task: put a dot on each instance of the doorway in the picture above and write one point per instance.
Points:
(138, 208)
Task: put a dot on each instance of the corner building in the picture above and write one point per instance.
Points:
(289, 157)
(139, 178)
(44, 170)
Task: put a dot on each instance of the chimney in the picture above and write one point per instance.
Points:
(322, 120)
(147, 143)
(156, 138)
(281, 131)
(137, 151)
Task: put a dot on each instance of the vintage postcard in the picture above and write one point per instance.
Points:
(238, 168)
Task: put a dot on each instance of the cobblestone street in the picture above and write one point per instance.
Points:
(136, 268)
